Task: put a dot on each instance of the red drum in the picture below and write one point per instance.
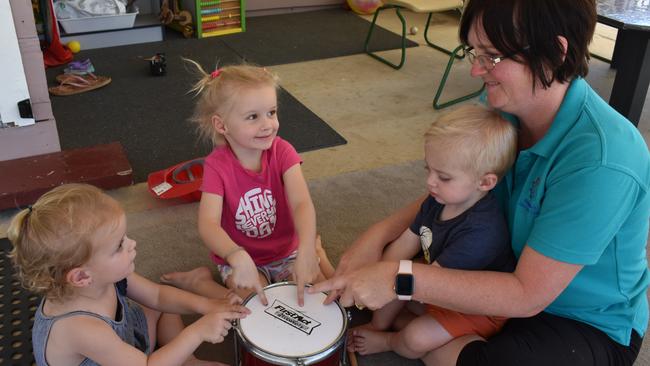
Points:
(284, 333)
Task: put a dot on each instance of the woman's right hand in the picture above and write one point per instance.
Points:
(245, 274)
(355, 257)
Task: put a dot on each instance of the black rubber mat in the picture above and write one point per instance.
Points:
(17, 307)
(288, 38)
(148, 114)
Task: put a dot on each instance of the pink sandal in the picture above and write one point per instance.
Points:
(70, 84)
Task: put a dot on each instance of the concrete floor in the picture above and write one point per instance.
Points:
(380, 111)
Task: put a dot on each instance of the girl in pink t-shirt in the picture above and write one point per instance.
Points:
(256, 215)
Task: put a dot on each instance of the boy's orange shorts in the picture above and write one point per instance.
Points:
(459, 324)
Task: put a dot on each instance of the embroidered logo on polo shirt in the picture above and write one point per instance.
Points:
(256, 214)
(530, 203)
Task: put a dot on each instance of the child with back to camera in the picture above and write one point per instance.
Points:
(256, 215)
(71, 246)
(460, 225)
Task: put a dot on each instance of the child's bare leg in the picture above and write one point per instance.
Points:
(382, 319)
(164, 327)
(410, 312)
(419, 337)
(199, 281)
(326, 267)
(152, 324)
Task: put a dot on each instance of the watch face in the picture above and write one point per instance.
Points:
(404, 284)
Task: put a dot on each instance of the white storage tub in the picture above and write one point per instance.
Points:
(98, 23)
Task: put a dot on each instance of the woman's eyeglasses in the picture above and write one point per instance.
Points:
(486, 62)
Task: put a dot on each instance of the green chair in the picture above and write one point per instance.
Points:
(416, 6)
(427, 7)
(454, 55)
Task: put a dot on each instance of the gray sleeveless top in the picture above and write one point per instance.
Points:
(130, 325)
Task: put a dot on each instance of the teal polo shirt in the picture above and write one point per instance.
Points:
(580, 195)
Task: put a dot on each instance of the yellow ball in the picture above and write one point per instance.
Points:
(74, 46)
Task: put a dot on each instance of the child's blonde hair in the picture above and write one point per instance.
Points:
(56, 235)
(477, 138)
(218, 90)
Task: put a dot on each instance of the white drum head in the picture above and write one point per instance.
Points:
(287, 330)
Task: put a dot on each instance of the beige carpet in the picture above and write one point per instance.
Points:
(444, 31)
(345, 204)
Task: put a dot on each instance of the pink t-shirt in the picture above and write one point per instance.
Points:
(255, 213)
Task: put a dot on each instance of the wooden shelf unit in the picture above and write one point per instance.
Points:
(219, 17)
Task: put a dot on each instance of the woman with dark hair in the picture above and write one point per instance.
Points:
(577, 202)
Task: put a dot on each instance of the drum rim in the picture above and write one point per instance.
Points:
(306, 359)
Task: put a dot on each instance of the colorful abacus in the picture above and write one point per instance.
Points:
(218, 17)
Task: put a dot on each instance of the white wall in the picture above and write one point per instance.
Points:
(13, 84)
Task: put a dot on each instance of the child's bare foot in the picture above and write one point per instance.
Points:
(187, 280)
(369, 341)
(352, 347)
(193, 361)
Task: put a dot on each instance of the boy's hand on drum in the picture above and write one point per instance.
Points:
(222, 305)
(213, 327)
(305, 271)
(232, 298)
(245, 274)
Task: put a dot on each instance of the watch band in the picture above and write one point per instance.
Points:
(405, 268)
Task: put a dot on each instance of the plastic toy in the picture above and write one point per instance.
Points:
(182, 180)
(74, 46)
(175, 18)
(158, 65)
(216, 17)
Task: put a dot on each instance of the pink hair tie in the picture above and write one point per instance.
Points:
(215, 73)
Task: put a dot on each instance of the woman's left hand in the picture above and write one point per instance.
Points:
(370, 286)
(305, 270)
